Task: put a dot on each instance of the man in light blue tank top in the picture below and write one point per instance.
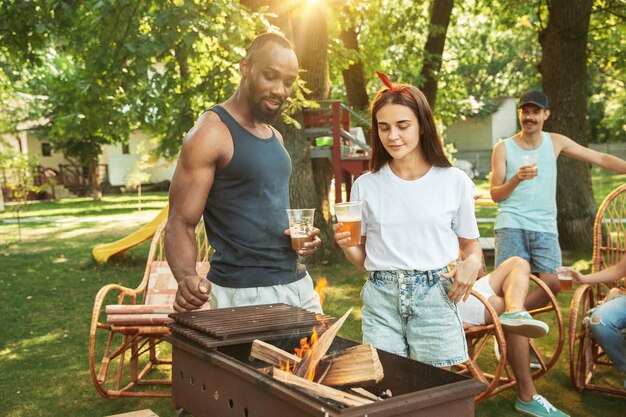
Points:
(233, 169)
(523, 183)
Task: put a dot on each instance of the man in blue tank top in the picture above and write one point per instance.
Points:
(523, 183)
(234, 171)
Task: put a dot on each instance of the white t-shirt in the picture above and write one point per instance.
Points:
(415, 225)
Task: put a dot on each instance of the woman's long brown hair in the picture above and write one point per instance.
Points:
(430, 141)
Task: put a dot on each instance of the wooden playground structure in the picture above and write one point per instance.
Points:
(348, 150)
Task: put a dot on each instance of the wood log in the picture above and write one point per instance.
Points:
(271, 354)
(307, 366)
(318, 390)
(365, 393)
(356, 366)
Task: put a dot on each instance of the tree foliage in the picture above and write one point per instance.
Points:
(96, 70)
(607, 71)
(86, 73)
(20, 172)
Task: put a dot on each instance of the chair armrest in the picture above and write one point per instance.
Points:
(101, 295)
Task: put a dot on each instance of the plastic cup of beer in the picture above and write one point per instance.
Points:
(300, 222)
(530, 160)
(349, 214)
(565, 278)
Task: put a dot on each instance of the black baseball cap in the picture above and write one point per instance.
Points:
(538, 98)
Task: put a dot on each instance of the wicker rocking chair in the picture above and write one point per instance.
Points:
(496, 373)
(128, 326)
(609, 245)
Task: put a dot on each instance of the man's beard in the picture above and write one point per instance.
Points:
(258, 112)
(262, 115)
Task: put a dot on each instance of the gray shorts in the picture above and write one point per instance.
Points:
(300, 294)
(409, 313)
(540, 249)
(472, 310)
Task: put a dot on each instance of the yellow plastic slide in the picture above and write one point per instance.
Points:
(102, 253)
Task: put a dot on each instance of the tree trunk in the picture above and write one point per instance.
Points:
(353, 79)
(95, 180)
(564, 79)
(441, 10)
(311, 40)
(310, 181)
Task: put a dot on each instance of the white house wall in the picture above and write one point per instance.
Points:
(120, 164)
(53, 161)
(504, 121)
(470, 134)
(12, 142)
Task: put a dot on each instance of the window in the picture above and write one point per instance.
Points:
(46, 149)
(125, 148)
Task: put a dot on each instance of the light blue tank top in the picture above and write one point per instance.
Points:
(532, 205)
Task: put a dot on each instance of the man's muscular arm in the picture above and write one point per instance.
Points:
(207, 146)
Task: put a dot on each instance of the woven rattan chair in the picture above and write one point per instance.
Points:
(496, 373)
(126, 356)
(609, 245)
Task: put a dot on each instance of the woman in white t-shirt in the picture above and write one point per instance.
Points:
(418, 211)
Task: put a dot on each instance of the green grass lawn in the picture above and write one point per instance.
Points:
(48, 282)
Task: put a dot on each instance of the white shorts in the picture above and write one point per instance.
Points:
(472, 311)
(300, 294)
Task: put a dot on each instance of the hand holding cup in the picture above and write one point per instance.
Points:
(565, 276)
(528, 170)
(300, 228)
(348, 221)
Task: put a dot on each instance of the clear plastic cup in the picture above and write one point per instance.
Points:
(565, 278)
(300, 222)
(349, 214)
(530, 160)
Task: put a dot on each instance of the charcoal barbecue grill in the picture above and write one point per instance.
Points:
(214, 376)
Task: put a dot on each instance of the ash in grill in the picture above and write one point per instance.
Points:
(213, 374)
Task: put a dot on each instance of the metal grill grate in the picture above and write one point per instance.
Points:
(227, 326)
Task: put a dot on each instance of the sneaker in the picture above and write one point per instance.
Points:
(538, 407)
(534, 360)
(522, 323)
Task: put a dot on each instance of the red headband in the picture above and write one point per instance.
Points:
(393, 87)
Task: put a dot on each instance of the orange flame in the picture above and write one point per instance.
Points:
(320, 286)
(306, 344)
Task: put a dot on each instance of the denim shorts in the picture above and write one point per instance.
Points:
(409, 313)
(540, 249)
(300, 294)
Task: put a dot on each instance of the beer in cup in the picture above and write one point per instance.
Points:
(300, 222)
(349, 214)
(565, 278)
(530, 160)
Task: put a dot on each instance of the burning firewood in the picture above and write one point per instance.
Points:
(355, 366)
(307, 366)
(318, 390)
(271, 354)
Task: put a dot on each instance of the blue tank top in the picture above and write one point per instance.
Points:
(532, 204)
(245, 215)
